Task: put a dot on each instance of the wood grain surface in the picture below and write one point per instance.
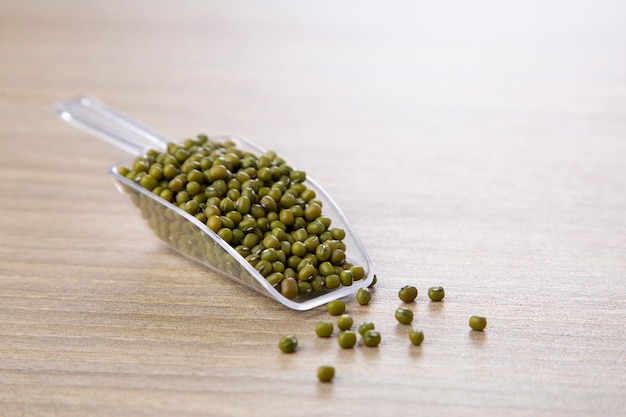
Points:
(480, 146)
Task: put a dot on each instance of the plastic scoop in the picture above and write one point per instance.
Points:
(185, 233)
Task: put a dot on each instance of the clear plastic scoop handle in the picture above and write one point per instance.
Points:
(113, 127)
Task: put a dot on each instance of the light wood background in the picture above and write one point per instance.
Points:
(476, 145)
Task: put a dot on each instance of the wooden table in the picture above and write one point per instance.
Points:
(480, 146)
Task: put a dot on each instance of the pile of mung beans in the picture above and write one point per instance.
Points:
(259, 205)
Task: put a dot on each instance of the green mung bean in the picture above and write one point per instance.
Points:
(478, 323)
(436, 293)
(288, 344)
(404, 315)
(408, 293)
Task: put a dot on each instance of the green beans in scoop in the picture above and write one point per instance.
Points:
(249, 201)
(289, 288)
